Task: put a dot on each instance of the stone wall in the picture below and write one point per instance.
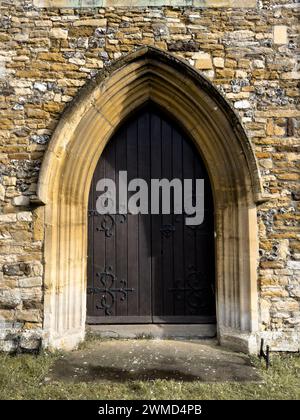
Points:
(48, 54)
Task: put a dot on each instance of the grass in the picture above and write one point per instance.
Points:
(25, 377)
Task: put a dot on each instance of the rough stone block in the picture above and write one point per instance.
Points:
(9, 299)
(30, 282)
(30, 340)
(244, 104)
(293, 265)
(21, 201)
(18, 269)
(8, 346)
(24, 216)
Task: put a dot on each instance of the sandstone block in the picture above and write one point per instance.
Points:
(218, 62)
(2, 192)
(9, 180)
(280, 34)
(8, 218)
(37, 113)
(29, 315)
(203, 61)
(291, 75)
(31, 294)
(59, 33)
(242, 74)
(265, 311)
(91, 22)
(241, 35)
(266, 163)
(51, 56)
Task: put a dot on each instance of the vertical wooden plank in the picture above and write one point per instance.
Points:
(201, 248)
(144, 160)
(189, 236)
(167, 223)
(110, 237)
(178, 243)
(132, 224)
(121, 226)
(157, 290)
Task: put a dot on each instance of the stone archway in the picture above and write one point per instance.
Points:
(68, 167)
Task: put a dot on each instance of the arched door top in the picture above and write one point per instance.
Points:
(150, 73)
(68, 167)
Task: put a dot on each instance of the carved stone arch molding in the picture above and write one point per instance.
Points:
(68, 167)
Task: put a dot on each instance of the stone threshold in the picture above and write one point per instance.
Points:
(145, 360)
(191, 331)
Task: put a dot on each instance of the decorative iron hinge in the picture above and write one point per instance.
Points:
(108, 291)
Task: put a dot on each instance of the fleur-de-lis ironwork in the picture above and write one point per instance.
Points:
(106, 225)
(107, 222)
(109, 291)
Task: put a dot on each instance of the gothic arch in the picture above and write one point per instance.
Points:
(67, 170)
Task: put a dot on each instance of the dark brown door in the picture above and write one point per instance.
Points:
(150, 268)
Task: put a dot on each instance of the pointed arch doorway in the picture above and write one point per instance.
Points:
(150, 268)
(68, 167)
